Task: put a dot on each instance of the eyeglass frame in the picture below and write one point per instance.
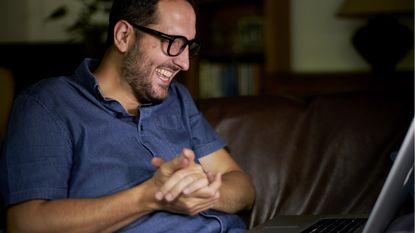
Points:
(170, 39)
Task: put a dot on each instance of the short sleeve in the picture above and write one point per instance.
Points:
(204, 138)
(36, 155)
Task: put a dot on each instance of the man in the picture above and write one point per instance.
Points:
(120, 146)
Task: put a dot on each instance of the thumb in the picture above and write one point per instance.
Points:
(188, 154)
(169, 167)
(157, 161)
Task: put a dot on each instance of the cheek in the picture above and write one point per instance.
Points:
(151, 56)
(154, 47)
(151, 45)
(157, 49)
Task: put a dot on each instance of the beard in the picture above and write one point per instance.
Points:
(138, 76)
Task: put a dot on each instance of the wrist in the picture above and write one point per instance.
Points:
(147, 199)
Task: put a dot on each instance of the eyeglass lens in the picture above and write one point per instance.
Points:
(179, 44)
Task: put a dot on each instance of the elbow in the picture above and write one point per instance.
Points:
(13, 225)
(22, 217)
(251, 196)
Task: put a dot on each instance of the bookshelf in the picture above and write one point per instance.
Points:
(233, 57)
(217, 79)
(225, 52)
(238, 35)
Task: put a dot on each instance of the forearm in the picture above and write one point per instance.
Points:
(236, 193)
(105, 214)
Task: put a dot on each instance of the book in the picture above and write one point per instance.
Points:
(229, 79)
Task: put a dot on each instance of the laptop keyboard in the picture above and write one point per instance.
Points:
(336, 225)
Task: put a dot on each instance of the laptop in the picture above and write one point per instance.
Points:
(389, 201)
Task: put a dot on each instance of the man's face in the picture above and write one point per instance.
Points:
(146, 66)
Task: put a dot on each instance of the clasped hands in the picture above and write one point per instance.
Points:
(183, 186)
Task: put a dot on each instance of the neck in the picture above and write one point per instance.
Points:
(113, 86)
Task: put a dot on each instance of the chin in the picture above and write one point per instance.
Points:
(161, 92)
(159, 96)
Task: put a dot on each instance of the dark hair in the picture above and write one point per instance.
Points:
(141, 12)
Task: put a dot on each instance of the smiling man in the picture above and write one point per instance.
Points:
(119, 145)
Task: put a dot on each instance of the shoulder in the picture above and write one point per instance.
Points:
(179, 91)
(50, 94)
(179, 101)
(47, 88)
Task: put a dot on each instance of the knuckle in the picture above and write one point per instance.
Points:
(188, 208)
(190, 179)
(180, 174)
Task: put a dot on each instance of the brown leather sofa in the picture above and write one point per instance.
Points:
(326, 154)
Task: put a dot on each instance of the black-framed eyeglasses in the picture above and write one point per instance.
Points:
(176, 43)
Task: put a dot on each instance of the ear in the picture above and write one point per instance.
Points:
(123, 35)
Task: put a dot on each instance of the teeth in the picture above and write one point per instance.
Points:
(165, 74)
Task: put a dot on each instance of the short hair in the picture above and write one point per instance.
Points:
(141, 12)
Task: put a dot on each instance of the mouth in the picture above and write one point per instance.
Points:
(165, 75)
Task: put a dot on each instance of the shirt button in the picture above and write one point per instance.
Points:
(119, 115)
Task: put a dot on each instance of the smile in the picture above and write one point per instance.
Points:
(164, 75)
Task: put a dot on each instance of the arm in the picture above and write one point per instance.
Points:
(104, 214)
(217, 183)
(237, 191)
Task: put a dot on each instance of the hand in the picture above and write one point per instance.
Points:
(184, 187)
(199, 200)
(180, 175)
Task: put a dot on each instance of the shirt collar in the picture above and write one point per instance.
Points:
(85, 77)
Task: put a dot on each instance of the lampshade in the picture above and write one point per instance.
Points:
(365, 8)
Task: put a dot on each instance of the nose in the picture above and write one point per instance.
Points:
(182, 60)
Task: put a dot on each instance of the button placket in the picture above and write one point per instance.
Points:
(141, 137)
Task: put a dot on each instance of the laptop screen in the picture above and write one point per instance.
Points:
(394, 190)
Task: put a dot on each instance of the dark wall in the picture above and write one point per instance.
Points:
(30, 63)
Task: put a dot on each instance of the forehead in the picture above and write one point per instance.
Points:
(176, 17)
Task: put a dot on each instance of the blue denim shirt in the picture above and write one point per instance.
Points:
(66, 140)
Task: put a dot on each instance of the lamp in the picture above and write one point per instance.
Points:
(383, 41)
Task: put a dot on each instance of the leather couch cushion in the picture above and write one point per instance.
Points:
(322, 155)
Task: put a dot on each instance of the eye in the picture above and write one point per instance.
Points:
(177, 46)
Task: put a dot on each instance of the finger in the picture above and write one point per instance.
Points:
(201, 207)
(170, 167)
(180, 161)
(183, 179)
(187, 184)
(190, 205)
(189, 154)
(196, 185)
(210, 191)
(215, 185)
(157, 162)
(168, 170)
(210, 176)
